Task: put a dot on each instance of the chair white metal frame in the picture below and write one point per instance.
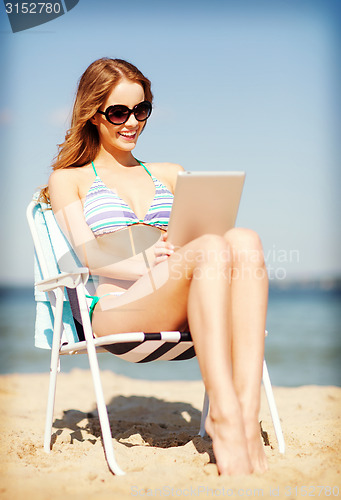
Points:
(76, 280)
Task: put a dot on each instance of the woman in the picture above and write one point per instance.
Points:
(217, 285)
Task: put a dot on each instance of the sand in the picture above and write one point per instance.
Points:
(155, 425)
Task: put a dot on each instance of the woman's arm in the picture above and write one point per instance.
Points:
(98, 254)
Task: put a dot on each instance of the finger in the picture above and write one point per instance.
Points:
(160, 258)
(169, 245)
(164, 251)
(163, 247)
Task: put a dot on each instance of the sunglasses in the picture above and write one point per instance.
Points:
(119, 114)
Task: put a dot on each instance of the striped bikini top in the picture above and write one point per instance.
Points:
(105, 212)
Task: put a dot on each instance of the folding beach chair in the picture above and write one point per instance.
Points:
(64, 326)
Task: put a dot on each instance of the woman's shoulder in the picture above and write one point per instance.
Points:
(70, 174)
(165, 172)
(69, 182)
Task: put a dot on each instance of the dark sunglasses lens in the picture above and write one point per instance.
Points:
(118, 114)
(142, 111)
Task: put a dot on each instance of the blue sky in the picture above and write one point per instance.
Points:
(247, 85)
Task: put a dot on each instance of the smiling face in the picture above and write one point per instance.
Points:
(120, 137)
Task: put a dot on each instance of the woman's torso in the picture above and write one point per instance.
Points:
(118, 197)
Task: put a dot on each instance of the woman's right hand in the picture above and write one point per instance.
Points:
(162, 249)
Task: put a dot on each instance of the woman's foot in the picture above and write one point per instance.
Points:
(230, 446)
(255, 445)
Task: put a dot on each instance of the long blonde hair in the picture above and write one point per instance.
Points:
(81, 143)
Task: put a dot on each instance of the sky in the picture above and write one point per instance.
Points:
(250, 85)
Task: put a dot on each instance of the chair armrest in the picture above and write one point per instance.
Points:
(70, 280)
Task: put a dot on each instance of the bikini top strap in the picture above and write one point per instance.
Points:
(144, 166)
(93, 166)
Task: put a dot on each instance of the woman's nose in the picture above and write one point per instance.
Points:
(132, 122)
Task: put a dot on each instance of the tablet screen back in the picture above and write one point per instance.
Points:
(204, 202)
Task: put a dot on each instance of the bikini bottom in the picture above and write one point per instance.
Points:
(96, 299)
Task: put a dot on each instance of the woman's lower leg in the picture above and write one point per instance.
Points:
(210, 325)
(249, 291)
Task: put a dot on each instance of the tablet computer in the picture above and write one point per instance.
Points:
(204, 202)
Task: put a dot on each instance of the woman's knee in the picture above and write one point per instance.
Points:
(212, 247)
(245, 245)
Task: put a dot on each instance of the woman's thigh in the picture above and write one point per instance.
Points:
(158, 300)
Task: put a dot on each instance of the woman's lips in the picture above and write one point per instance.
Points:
(128, 135)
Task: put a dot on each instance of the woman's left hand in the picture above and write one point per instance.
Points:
(162, 249)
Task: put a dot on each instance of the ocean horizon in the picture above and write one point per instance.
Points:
(303, 346)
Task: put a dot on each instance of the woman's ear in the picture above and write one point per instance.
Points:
(94, 119)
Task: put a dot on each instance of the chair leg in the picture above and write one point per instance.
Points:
(54, 367)
(101, 406)
(273, 409)
(103, 415)
(204, 413)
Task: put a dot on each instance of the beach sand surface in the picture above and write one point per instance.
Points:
(155, 427)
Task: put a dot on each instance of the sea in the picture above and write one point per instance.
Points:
(303, 346)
